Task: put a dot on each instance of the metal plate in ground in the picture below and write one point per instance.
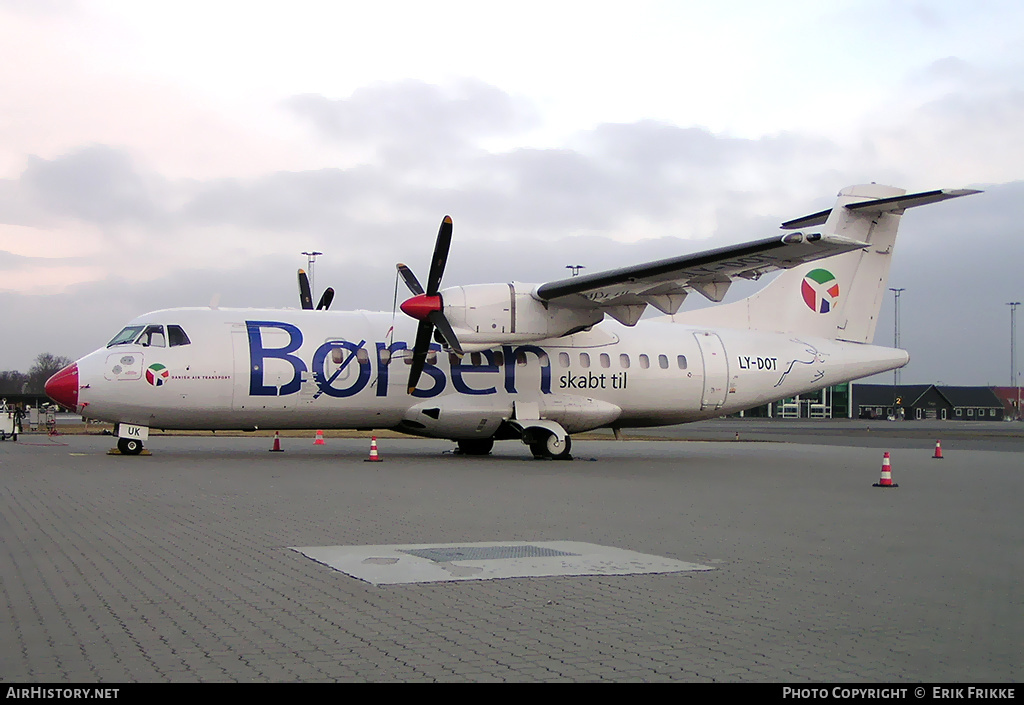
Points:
(427, 563)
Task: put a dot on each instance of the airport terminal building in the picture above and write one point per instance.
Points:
(906, 401)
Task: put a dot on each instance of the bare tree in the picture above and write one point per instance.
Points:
(13, 382)
(46, 365)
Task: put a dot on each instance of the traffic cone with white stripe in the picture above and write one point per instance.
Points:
(319, 439)
(374, 457)
(277, 443)
(938, 451)
(886, 479)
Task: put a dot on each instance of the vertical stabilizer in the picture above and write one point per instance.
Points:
(838, 297)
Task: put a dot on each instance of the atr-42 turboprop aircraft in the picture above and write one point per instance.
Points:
(520, 361)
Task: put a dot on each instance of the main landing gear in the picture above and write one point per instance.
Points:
(543, 443)
(476, 446)
(549, 448)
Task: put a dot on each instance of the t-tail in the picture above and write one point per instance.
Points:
(838, 297)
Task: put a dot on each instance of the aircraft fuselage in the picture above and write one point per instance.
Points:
(279, 369)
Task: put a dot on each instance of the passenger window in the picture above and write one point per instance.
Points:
(563, 359)
(663, 361)
(407, 355)
(606, 361)
(385, 356)
(152, 337)
(475, 359)
(584, 360)
(176, 336)
(681, 361)
(624, 361)
(644, 362)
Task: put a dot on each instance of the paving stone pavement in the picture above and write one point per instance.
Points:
(176, 567)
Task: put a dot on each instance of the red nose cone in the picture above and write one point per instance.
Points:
(419, 307)
(63, 387)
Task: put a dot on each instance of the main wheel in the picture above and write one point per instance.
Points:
(476, 446)
(129, 446)
(549, 447)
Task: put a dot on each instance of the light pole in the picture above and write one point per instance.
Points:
(1014, 382)
(311, 259)
(896, 344)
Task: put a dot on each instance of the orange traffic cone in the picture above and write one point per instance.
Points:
(319, 439)
(938, 451)
(277, 443)
(374, 458)
(886, 479)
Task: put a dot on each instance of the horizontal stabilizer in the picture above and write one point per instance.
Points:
(808, 221)
(881, 205)
(911, 200)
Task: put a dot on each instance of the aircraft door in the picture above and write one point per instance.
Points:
(716, 370)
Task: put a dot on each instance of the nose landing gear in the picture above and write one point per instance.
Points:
(129, 446)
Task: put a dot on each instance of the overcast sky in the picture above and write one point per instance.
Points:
(155, 155)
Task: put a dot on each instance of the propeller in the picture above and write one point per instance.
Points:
(306, 297)
(326, 299)
(427, 306)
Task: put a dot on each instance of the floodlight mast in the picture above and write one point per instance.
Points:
(1014, 375)
(311, 260)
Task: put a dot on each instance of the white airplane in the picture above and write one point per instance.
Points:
(530, 362)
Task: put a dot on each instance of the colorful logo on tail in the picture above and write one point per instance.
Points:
(820, 290)
(157, 374)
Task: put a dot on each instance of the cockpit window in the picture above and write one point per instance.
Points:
(176, 336)
(152, 337)
(127, 335)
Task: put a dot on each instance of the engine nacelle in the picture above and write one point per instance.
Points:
(487, 315)
(457, 416)
(463, 417)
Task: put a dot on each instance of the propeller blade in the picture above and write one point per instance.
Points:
(325, 300)
(410, 279)
(419, 352)
(426, 306)
(444, 242)
(305, 297)
(445, 329)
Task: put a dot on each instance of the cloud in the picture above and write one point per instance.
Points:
(97, 184)
(412, 122)
(121, 236)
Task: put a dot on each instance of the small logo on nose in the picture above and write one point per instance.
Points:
(157, 374)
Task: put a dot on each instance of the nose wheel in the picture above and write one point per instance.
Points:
(129, 446)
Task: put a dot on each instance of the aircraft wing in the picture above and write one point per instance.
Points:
(625, 293)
